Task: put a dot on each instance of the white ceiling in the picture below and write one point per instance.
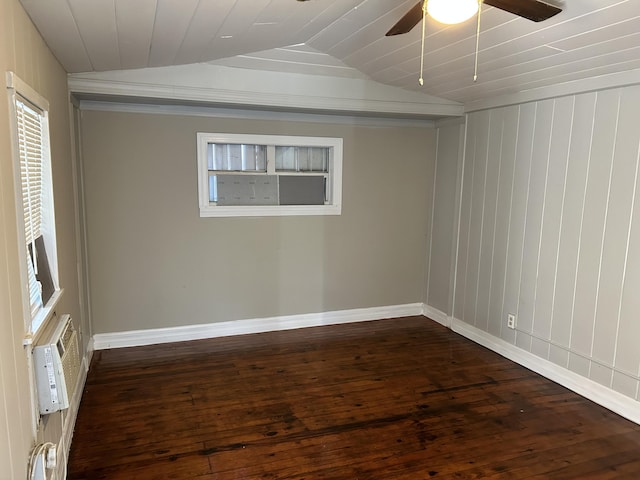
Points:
(345, 38)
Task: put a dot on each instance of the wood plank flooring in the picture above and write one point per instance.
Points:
(400, 399)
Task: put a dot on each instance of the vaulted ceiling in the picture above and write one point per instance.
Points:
(345, 38)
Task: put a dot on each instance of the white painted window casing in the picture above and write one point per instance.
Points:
(233, 165)
(32, 171)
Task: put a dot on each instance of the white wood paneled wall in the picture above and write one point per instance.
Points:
(442, 247)
(550, 230)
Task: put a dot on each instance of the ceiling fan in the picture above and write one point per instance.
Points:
(534, 10)
(458, 11)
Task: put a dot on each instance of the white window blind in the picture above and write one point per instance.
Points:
(34, 194)
(31, 150)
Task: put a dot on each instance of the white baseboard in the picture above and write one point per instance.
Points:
(606, 397)
(90, 348)
(136, 338)
(436, 315)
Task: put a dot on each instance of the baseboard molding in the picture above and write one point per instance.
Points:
(436, 315)
(606, 397)
(90, 348)
(136, 338)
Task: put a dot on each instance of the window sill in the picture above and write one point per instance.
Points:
(269, 210)
(43, 317)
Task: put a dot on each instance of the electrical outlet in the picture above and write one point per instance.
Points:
(511, 321)
(51, 457)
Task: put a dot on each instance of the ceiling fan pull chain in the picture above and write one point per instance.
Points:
(475, 71)
(424, 21)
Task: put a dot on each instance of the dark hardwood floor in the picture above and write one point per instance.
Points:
(402, 399)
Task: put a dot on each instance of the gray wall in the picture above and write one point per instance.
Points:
(550, 230)
(155, 263)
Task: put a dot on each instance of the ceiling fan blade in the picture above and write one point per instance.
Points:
(534, 10)
(406, 23)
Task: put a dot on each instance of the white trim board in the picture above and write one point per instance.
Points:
(436, 315)
(219, 85)
(624, 406)
(107, 105)
(576, 87)
(135, 338)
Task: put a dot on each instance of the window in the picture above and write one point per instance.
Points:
(268, 175)
(29, 119)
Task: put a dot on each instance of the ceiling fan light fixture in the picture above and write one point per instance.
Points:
(451, 12)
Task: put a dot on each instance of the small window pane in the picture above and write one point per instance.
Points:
(213, 189)
(319, 159)
(286, 158)
(237, 157)
(35, 289)
(302, 190)
(43, 273)
(302, 159)
(247, 190)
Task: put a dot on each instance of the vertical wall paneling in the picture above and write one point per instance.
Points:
(552, 218)
(490, 198)
(11, 434)
(444, 217)
(13, 428)
(616, 232)
(430, 154)
(549, 230)
(595, 210)
(508, 142)
(573, 207)
(535, 211)
(627, 353)
(477, 213)
(464, 221)
(519, 198)
(455, 216)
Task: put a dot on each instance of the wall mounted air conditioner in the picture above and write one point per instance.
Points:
(56, 362)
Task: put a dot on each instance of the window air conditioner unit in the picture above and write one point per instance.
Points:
(57, 366)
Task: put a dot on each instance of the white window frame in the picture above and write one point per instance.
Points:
(34, 321)
(208, 209)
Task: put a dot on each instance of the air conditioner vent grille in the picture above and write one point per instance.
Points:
(71, 360)
(57, 367)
